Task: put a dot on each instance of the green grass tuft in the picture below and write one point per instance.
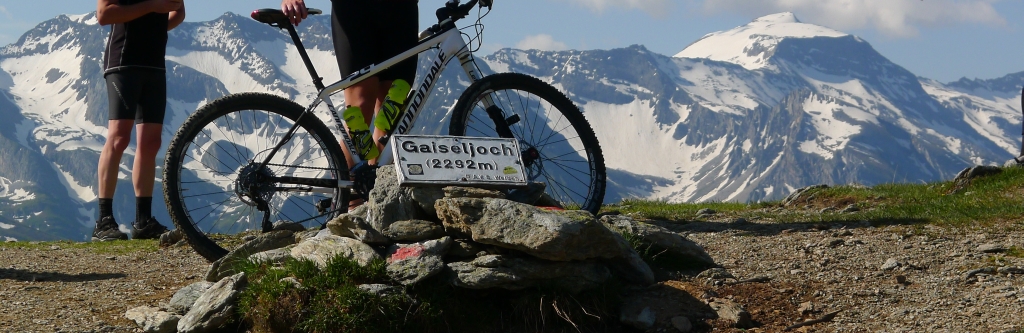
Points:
(987, 201)
(1016, 252)
(330, 301)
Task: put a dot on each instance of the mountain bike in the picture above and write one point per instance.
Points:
(247, 160)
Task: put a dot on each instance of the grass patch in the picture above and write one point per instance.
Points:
(1015, 251)
(991, 200)
(117, 247)
(661, 210)
(330, 301)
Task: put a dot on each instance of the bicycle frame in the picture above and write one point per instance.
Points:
(450, 46)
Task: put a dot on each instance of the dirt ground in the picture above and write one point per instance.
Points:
(900, 278)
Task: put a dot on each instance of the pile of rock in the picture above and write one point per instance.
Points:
(474, 238)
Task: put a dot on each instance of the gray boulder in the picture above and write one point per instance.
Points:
(732, 312)
(495, 271)
(322, 248)
(471, 192)
(964, 178)
(225, 266)
(216, 308)
(425, 198)
(411, 263)
(152, 320)
(660, 238)
(273, 257)
(288, 225)
(1015, 162)
(184, 298)
(801, 193)
(380, 289)
(389, 202)
(457, 214)
(354, 225)
(631, 267)
(171, 238)
(463, 249)
(413, 231)
(557, 236)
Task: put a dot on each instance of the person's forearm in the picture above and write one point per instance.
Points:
(113, 13)
(175, 18)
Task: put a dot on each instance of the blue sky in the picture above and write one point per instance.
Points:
(938, 39)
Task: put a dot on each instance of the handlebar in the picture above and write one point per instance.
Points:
(451, 13)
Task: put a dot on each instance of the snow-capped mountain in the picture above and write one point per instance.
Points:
(746, 114)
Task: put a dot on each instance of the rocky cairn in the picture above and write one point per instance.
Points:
(472, 238)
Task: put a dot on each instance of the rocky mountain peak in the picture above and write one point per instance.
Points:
(752, 45)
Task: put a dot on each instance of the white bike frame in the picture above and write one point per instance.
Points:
(450, 45)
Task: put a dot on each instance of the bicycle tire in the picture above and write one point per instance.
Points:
(202, 176)
(579, 183)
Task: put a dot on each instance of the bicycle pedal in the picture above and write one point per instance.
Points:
(512, 120)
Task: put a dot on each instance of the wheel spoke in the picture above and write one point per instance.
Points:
(245, 127)
(570, 159)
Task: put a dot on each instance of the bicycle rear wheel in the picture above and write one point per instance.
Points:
(559, 147)
(214, 183)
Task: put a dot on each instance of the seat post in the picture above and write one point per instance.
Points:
(317, 80)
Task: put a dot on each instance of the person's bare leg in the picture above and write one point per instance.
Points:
(382, 92)
(144, 170)
(119, 135)
(362, 95)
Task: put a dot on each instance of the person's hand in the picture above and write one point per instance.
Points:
(295, 10)
(166, 6)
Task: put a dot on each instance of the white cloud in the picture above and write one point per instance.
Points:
(657, 8)
(897, 18)
(541, 42)
(3, 10)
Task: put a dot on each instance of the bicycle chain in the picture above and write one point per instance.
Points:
(363, 182)
(299, 167)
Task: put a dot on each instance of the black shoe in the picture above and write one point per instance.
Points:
(148, 229)
(106, 229)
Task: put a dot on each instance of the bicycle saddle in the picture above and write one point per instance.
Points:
(276, 16)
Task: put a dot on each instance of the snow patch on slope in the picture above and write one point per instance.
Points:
(53, 111)
(752, 45)
(986, 112)
(211, 63)
(833, 134)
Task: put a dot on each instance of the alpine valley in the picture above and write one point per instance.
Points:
(748, 114)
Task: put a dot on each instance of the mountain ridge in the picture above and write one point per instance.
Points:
(815, 109)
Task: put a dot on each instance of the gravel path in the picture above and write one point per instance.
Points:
(881, 279)
(78, 290)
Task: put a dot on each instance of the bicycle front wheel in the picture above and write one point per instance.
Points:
(215, 182)
(559, 147)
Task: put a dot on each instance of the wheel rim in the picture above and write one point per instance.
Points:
(552, 150)
(222, 182)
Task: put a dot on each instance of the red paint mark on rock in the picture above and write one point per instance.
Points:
(412, 251)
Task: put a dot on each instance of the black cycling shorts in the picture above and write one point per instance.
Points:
(137, 93)
(368, 32)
